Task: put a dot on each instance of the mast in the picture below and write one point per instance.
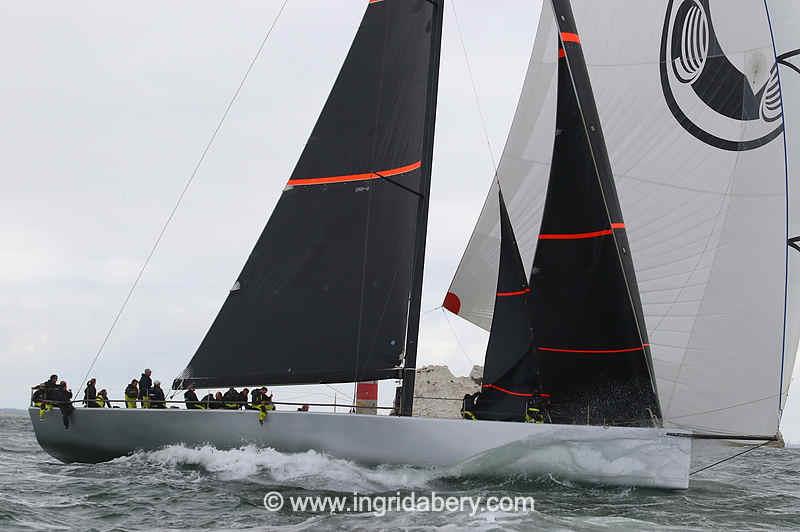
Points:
(412, 332)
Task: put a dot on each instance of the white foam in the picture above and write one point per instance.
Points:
(309, 470)
(602, 459)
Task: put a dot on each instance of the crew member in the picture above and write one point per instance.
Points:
(42, 393)
(66, 391)
(245, 399)
(232, 399)
(49, 384)
(207, 402)
(90, 394)
(468, 405)
(537, 409)
(145, 385)
(217, 404)
(191, 399)
(264, 404)
(131, 394)
(266, 397)
(61, 396)
(156, 396)
(102, 399)
(256, 395)
(303, 408)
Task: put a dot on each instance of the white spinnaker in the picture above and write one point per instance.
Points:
(785, 18)
(522, 173)
(707, 225)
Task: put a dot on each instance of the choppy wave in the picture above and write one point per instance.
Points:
(317, 471)
(308, 470)
(205, 488)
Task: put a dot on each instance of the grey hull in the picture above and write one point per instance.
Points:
(605, 455)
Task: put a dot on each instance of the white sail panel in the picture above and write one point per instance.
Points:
(686, 94)
(785, 19)
(471, 292)
(690, 106)
(522, 173)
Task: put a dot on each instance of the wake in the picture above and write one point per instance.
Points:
(314, 470)
(308, 470)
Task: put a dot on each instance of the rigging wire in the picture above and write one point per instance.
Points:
(299, 393)
(186, 186)
(338, 391)
(434, 309)
(474, 88)
(439, 398)
(458, 340)
(753, 448)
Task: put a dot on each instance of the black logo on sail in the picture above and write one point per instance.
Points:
(730, 106)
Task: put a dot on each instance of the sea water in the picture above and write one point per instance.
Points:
(206, 488)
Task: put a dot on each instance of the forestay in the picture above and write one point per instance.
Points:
(689, 97)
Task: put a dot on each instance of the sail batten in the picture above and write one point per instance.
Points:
(378, 174)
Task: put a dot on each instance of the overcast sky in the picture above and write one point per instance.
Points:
(106, 108)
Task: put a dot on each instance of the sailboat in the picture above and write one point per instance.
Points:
(632, 263)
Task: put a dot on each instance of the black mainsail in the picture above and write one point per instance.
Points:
(326, 294)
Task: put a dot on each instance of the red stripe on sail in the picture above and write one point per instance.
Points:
(509, 392)
(516, 293)
(593, 351)
(570, 37)
(356, 177)
(578, 236)
(561, 53)
(574, 236)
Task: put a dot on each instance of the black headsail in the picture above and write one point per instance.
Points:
(510, 376)
(324, 295)
(586, 313)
